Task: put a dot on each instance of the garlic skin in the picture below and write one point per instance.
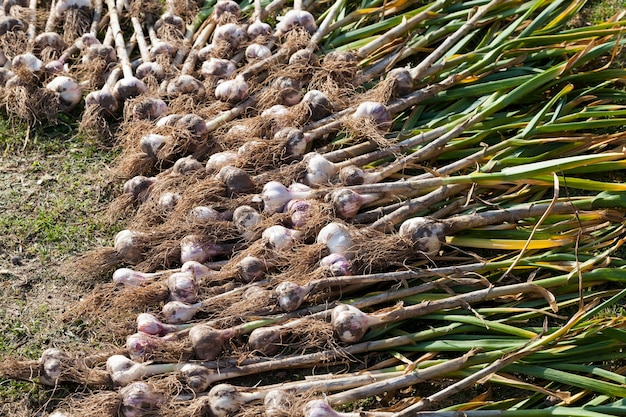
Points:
(377, 112)
(147, 69)
(138, 399)
(68, 91)
(231, 33)
(195, 377)
(177, 312)
(217, 67)
(336, 237)
(232, 91)
(247, 220)
(128, 244)
(278, 402)
(296, 18)
(257, 51)
(185, 84)
(258, 28)
(336, 264)
(319, 408)
(427, 235)
(151, 143)
(128, 87)
(349, 322)
(281, 238)
(27, 61)
(319, 170)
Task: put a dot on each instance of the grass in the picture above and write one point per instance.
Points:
(52, 191)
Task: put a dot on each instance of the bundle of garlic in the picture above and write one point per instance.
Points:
(373, 188)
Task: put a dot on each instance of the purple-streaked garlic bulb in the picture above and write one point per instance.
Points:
(205, 214)
(300, 213)
(151, 143)
(68, 91)
(167, 202)
(183, 287)
(226, 399)
(123, 370)
(304, 57)
(232, 91)
(218, 67)
(27, 61)
(147, 323)
(257, 51)
(198, 270)
(223, 8)
(290, 295)
(141, 346)
(266, 340)
(352, 175)
(376, 112)
(350, 323)
(139, 187)
(176, 312)
(336, 237)
(48, 41)
(97, 51)
(281, 238)
(193, 124)
(247, 220)
(51, 366)
(275, 195)
(171, 20)
(150, 69)
(296, 18)
(63, 5)
(11, 24)
(169, 120)
(236, 180)
(150, 108)
(129, 246)
(319, 170)
(162, 48)
(208, 342)
(18, 4)
(402, 81)
(347, 203)
(427, 235)
(195, 377)
(251, 269)
(185, 84)
(195, 248)
(204, 53)
(336, 264)
(278, 403)
(289, 89)
(128, 87)
(231, 33)
(318, 105)
(219, 160)
(139, 400)
(294, 140)
(132, 278)
(277, 111)
(320, 408)
(258, 28)
(186, 165)
(104, 100)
